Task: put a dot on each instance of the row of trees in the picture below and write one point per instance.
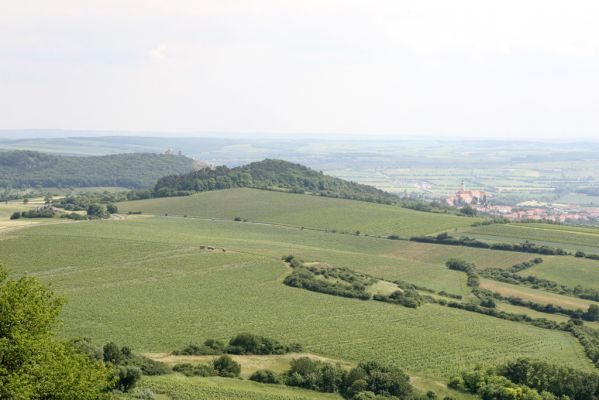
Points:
(30, 169)
(526, 247)
(526, 379)
(369, 380)
(335, 281)
(243, 343)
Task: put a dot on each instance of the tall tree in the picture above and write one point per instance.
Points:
(33, 364)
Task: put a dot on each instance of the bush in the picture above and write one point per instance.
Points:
(247, 343)
(195, 370)
(15, 215)
(225, 366)
(127, 378)
(266, 376)
(146, 394)
(112, 209)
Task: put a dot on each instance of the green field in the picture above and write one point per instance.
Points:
(301, 210)
(568, 237)
(568, 271)
(537, 296)
(146, 283)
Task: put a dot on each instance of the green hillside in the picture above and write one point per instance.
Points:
(26, 169)
(272, 175)
(302, 210)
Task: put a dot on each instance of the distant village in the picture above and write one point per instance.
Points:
(526, 211)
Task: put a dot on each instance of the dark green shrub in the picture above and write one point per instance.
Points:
(266, 376)
(225, 366)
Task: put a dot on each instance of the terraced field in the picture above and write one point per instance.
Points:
(302, 210)
(146, 283)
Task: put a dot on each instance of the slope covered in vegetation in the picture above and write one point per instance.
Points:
(272, 175)
(24, 169)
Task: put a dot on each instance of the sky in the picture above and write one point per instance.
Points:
(480, 69)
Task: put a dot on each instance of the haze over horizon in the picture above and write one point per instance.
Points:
(465, 69)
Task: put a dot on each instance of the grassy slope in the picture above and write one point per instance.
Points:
(146, 283)
(302, 210)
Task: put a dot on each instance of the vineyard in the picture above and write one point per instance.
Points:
(158, 283)
(155, 273)
(302, 210)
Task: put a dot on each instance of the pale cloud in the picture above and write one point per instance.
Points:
(463, 67)
(158, 53)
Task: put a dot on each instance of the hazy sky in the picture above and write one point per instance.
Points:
(477, 68)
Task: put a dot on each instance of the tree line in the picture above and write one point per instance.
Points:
(31, 169)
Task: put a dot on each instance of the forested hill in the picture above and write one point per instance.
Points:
(24, 169)
(271, 175)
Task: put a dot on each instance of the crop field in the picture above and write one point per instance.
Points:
(146, 283)
(439, 254)
(569, 237)
(569, 271)
(535, 295)
(537, 314)
(301, 210)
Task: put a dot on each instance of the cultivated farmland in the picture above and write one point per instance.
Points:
(146, 283)
(302, 210)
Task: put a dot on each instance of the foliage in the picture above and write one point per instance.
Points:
(315, 375)
(528, 380)
(273, 175)
(407, 298)
(127, 377)
(266, 376)
(25, 169)
(468, 268)
(243, 343)
(226, 367)
(336, 281)
(195, 370)
(33, 365)
(525, 247)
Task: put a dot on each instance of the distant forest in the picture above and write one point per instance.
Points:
(271, 175)
(31, 169)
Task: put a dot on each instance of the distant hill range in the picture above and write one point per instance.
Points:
(27, 169)
(270, 175)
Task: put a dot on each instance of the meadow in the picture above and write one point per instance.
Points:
(301, 210)
(146, 283)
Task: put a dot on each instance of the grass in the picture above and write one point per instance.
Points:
(538, 296)
(10, 207)
(302, 210)
(146, 283)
